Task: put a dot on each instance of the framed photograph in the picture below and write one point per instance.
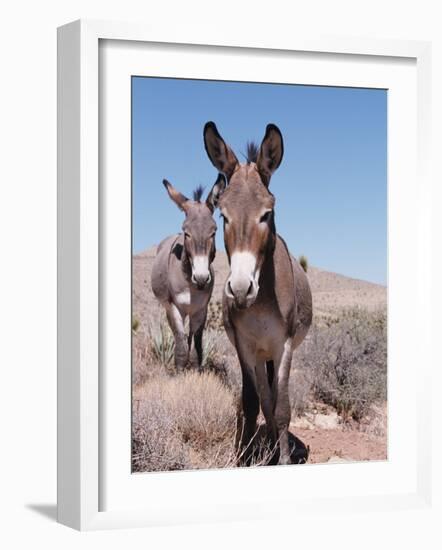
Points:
(242, 244)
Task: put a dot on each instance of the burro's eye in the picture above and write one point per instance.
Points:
(266, 216)
(187, 235)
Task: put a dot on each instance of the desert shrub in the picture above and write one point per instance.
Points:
(303, 262)
(181, 422)
(345, 360)
(300, 388)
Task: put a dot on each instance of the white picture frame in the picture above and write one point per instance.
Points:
(80, 409)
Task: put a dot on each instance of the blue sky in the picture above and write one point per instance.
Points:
(331, 188)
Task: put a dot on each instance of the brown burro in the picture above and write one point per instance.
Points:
(267, 302)
(182, 275)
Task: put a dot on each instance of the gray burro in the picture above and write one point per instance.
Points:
(267, 302)
(182, 273)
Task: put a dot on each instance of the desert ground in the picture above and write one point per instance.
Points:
(338, 380)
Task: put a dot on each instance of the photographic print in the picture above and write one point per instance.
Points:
(259, 274)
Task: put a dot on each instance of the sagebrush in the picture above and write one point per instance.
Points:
(343, 362)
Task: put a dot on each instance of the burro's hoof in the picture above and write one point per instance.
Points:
(299, 452)
(259, 452)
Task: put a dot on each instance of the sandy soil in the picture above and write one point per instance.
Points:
(342, 445)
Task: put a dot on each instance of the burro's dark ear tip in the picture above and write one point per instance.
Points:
(273, 128)
(211, 126)
(271, 152)
(166, 184)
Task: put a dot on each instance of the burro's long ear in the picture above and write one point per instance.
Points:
(270, 153)
(216, 192)
(220, 154)
(178, 198)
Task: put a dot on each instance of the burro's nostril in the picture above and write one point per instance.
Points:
(229, 288)
(250, 289)
(201, 279)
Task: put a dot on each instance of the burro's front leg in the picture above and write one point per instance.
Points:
(283, 409)
(250, 405)
(266, 400)
(197, 322)
(176, 323)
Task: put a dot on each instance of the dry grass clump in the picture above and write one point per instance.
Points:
(151, 349)
(182, 422)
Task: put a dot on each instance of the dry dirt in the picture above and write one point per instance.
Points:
(342, 445)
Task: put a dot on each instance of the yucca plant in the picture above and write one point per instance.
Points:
(209, 349)
(162, 343)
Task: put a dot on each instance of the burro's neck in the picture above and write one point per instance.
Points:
(267, 276)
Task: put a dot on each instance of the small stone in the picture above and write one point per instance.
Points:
(327, 421)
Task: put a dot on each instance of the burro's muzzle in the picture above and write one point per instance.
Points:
(201, 276)
(242, 285)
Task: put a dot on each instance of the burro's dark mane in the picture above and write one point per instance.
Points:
(252, 152)
(198, 193)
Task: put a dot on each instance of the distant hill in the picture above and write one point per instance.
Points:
(331, 291)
